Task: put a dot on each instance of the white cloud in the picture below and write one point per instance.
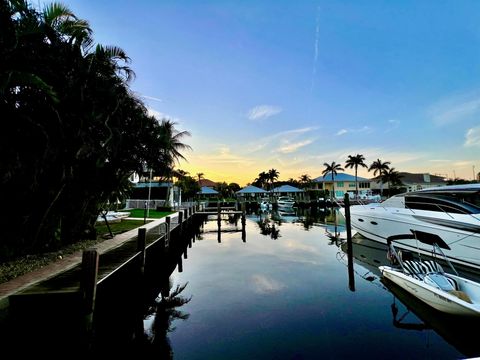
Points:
(264, 285)
(362, 129)
(159, 115)
(289, 148)
(284, 137)
(223, 155)
(263, 112)
(454, 109)
(155, 113)
(472, 137)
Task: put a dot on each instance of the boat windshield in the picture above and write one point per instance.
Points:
(451, 203)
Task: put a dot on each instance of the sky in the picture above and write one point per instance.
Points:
(291, 85)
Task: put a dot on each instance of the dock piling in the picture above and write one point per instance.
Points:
(88, 286)
(348, 226)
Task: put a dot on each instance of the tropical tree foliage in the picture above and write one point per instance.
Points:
(379, 168)
(354, 161)
(262, 180)
(72, 133)
(273, 175)
(305, 180)
(392, 178)
(332, 169)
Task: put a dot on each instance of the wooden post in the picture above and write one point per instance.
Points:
(351, 278)
(88, 287)
(180, 220)
(167, 235)
(218, 211)
(141, 247)
(243, 214)
(180, 264)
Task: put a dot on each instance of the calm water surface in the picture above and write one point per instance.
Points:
(284, 293)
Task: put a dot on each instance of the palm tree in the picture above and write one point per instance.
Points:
(393, 177)
(355, 162)
(261, 180)
(305, 180)
(332, 169)
(272, 176)
(200, 177)
(379, 168)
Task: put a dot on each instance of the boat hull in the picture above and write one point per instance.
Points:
(438, 299)
(378, 223)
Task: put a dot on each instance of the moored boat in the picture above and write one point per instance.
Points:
(451, 212)
(426, 280)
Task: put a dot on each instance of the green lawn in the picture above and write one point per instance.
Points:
(153, 214)
(22, 265)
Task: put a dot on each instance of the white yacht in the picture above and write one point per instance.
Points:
(450, 212)
(285, 202)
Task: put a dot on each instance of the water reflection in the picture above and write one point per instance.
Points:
(270, 221)
(159, 318)
(408, 312)
(418, 316)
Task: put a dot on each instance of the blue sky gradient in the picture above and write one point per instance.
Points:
(293, 84)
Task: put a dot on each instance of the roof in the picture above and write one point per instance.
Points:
(339, 177)
(207, 182)
(250, 189)
(207, 191)
(286, 189)
(421, 178)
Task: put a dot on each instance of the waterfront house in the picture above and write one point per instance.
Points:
(413, 181)
(343, 183)
(251, 192)
(288, 190)
(154, 194)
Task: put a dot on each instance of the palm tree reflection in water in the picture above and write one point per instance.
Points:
(267, 227)
(164, 312)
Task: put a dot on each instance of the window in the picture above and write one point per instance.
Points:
(340, 184)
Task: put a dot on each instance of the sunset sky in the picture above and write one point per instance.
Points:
(293, 84)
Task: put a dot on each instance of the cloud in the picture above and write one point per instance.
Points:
(454, 110)
(472, 137)
(263, 112)
(289, 148)
(159, 115)
(284, 137)
(362, 129)
(154, 113)
(265, 285)
(223, 155)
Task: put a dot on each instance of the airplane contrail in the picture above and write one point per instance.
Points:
(315, 54)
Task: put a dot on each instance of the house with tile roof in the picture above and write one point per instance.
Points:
(343, 183)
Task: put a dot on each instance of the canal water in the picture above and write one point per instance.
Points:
(281, 290)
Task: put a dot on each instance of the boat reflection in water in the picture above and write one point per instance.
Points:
(408, 312)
